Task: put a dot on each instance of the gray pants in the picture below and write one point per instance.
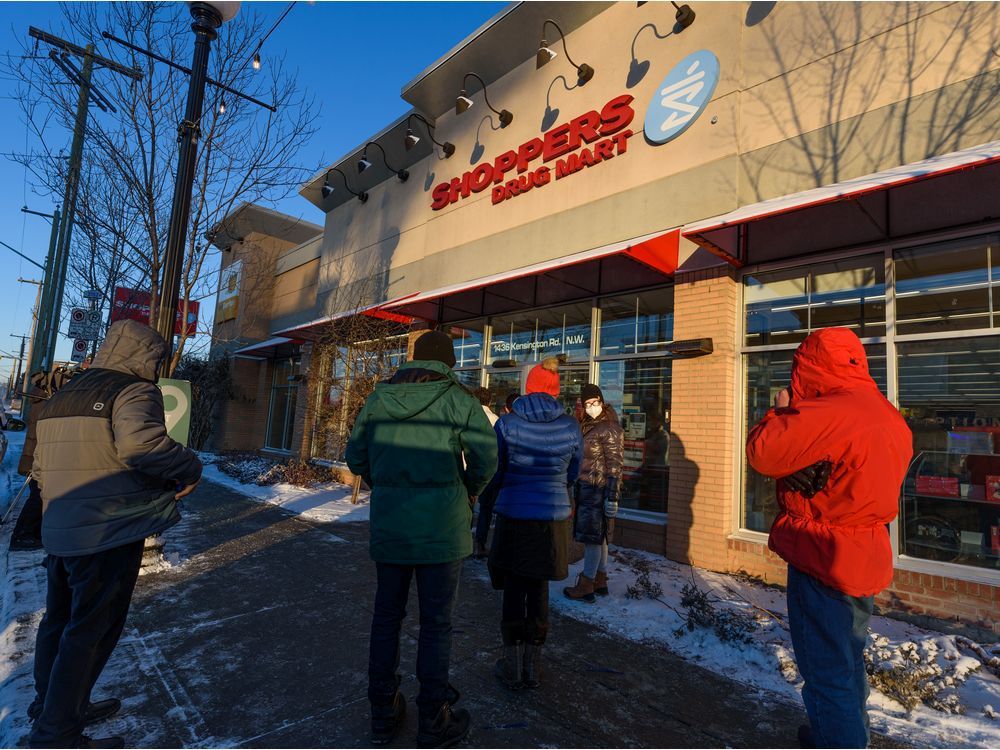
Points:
(595, 558)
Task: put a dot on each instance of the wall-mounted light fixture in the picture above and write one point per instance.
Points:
(412, 139)
(545, 53)
(363, 162)
(463, 102)
(684, 15)
(327, 190)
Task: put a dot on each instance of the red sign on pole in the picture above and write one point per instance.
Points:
(133, 304)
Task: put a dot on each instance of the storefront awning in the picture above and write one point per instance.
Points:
(265, 349)
(314, 329)
(950, 190)
(618, 267)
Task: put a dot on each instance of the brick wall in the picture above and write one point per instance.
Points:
(699, 502)
(304, 411)
(638, 535)
(242, 419)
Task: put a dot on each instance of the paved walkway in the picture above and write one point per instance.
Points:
(258, 637)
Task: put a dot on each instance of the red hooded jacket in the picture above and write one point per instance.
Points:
(836, 414)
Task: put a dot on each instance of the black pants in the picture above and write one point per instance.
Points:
(29, 522)
(437, 592)
(525, 610)
(486, 502)
(85, 609)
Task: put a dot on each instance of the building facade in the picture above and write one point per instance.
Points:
(671, 213)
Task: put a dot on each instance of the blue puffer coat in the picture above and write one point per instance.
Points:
(540, 452)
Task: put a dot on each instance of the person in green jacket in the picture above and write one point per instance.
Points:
(423, 445)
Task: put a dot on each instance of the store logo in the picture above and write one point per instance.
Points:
(682, 97)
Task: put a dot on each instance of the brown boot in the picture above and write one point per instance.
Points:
(601, 583)
(583, 591)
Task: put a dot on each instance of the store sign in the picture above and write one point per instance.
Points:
(133, 304)
(514, 172)
(553, 342)
(682, 97)
(228, 305)
(176, 408)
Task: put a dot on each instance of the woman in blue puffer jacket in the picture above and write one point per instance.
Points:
(540, 450)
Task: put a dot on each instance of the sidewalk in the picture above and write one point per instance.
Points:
(257, 636)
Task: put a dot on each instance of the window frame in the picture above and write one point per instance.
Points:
(990, 231)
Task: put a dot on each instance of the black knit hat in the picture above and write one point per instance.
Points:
(590, 391)
(436, 346)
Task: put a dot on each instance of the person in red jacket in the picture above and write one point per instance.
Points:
(839, 452)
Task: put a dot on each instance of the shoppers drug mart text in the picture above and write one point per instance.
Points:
(606, 130)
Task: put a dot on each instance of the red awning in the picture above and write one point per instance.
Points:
(948, 190)
(313, 329)
(265, 349)
(617, 267)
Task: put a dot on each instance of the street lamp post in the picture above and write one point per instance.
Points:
(208, 17)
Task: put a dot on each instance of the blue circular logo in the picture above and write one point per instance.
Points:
(682, 96)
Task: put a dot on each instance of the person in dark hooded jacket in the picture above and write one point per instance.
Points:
(423, 444)
(839, 451)
(540, 453)
(109, 476)
(597, 492)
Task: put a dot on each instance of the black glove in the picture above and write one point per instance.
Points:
(810, 480)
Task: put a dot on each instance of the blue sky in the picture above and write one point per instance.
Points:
(386, 44)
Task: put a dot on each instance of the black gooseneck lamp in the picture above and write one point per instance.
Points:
(463, 102)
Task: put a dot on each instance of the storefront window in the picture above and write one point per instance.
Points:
(782, 307)
(946, 286)
(639, 391)
(468, 343)
(469, 378)
(949, 394)
(637, 323)
(766, 374)
(501, 384)
(284, 394)
(530, 337)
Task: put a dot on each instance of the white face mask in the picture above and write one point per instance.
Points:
(594, 411)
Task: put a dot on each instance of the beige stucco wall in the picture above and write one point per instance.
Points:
(809, 94)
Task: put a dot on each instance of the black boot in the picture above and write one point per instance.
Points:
(387, 718)
(805, 736)
(446, 728)
(531, 658)
(101, 742)
(95, 712)
(508, 667)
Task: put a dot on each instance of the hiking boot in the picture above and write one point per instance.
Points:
(103, 742)
(508, 667)
(25, 543)
(97, 711)
(387, 718)
(583, 591)
(531, 665)
(601, 583)
(444, 729)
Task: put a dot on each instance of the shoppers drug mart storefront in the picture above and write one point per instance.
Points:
(672, 218)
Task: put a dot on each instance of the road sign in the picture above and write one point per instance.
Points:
(85, 324)
(79, 352)
(177, 408)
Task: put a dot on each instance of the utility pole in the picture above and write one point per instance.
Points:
(40, 339)
(15, 382)
(31, 348)
(64, 230)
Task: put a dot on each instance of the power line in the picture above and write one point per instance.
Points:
(264, 38)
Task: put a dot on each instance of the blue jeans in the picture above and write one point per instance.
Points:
(829, 632)
(437, 592)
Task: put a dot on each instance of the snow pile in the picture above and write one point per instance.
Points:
(326, 502)
(928, 689)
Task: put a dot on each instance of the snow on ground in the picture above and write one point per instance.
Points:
(325, 502)
(767, 661)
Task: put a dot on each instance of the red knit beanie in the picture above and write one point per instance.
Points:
(544, 378)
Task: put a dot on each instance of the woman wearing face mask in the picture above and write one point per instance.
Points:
(597, 492)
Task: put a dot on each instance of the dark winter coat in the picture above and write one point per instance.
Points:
(106, 467)
(42, 387)
(540, 453)
(600, 476)
(408, 445)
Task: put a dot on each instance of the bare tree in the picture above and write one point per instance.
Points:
(246, 153)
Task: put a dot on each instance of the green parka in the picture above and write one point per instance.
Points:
(408, 444)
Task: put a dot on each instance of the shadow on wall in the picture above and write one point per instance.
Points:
(870, 67)
(684, 476)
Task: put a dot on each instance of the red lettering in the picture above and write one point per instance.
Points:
(502, 164)
(440, 196)
(512, 188)
(587, 158)
(556, 142)
(482, 175)
(498, 194)
(585, 127)
(541, 176)
(528, 151)
(456, 185)
(567, 166)
(466, 189)
(617, 114)
(621, 141)
(605, 149)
